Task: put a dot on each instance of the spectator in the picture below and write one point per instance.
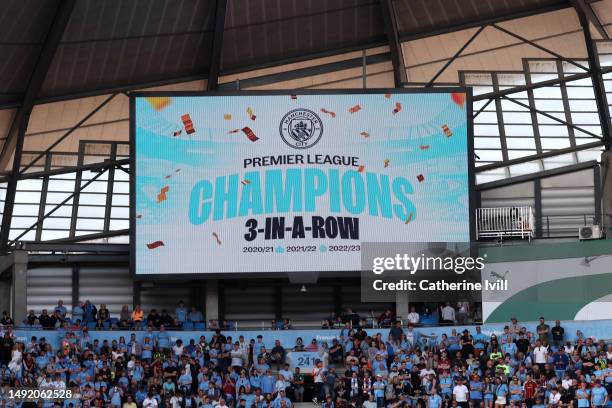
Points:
(447, 314)
(386, 318)
(103, 314)
(138, 316)
(180, 313)
(557, 333)
(6, 319)
(195, 315)
(90, 312)
(543, 330)
(78, 312)
(413, 317)
(125, 316)
(61, 310)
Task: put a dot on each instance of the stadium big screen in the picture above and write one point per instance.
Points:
(275, 182)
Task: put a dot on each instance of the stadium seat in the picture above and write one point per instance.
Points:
(200, 326)
(188, 325)
(91, 325)
(114, 322)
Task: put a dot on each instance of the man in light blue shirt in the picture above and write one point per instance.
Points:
(181, 312)
(599, 395)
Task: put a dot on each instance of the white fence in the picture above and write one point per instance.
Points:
(505, 222)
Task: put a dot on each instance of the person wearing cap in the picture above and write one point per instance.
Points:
(379, 391)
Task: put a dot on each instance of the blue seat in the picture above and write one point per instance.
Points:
(200, 326)
(107, 325)
(187, 325)
(91, 325)
(114, 322)
(278, 325)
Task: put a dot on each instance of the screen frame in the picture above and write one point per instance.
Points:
(287, 92)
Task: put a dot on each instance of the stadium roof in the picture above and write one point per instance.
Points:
(127, 44)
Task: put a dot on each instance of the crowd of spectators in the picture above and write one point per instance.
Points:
(519, 367)
(86, 314)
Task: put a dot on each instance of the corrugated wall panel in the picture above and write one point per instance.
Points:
(351, 298)
(568, 201)
(312, 305)
(517, 195)
(48, 285)
(254, 302)
(162, 296)
(111, 286)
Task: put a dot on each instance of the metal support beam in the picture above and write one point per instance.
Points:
(550, 153)
(539, 47)
(19, 126)
(500, 123)
(75, 285)
(68, 133)
(537, 205)
(582, 7)
(454, 57)
(45, 58)
(538, 175)
(598, 83)
(73, 169)
(397, 56)
(549, 116)
(217, 45)
(70, 197)
(109, 189)
(535, 85)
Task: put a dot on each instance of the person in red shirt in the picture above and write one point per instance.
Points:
(530, 389)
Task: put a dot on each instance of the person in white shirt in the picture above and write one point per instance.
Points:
(460, 394)
(555, 397)
(221, 404)
(150, 401)
(540, 354)
(413, 317)
(448, 314)
(370, 403)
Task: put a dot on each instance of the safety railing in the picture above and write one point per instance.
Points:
(503, 222)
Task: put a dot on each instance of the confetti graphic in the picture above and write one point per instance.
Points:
(249, 134)
(188, 124)
(216, 237)
(330, 113)
(424, 147)
(458, 98)
(387, 161)
(355, 109)
(420, 177)
(155, 244)
(294, 97)
(162, 194)
(177, 133)
(234, 131)
(365, 134)
(388, 95)
(398, 108)
(227, 116)
(251, 114)
(245, 182)
(139, 216)
(447, 131)
(408, 219)
(360, 169)
(158, 102)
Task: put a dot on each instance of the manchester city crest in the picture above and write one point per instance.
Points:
(301, 128)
